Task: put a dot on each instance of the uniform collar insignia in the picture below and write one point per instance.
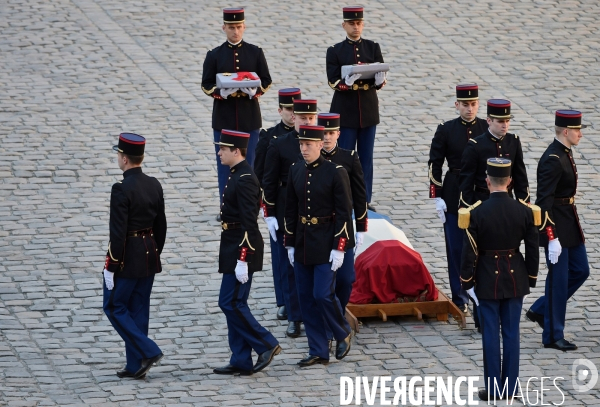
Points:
(132, 171)
(285, 126)
(354, 42)
(465, 123)
(330, 153)
(494, 138)
(562, 146)
(238, 166)
(315, 163)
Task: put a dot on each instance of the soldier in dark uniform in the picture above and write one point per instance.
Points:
(138, 228)
(348, 159)
(495, 142)
(497, 277)
(286, 111)
(236, 109)
(448, 145)
(560, 232)
(240, 255)
(354, 98)
(281, 154)
(318, 230)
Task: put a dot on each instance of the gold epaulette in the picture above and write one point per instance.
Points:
(536, 211)
(464, 215)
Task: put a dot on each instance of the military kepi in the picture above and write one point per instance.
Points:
(353, 13)
(131, 144)
(498, 167)
(287, 96)
(314, 133)
(570, 119)
(233, 138)
(330, 121)
(233, 15)
(499, 109)
(305, 106)
(467, 91)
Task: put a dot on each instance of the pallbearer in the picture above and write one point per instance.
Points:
(286, 111)
(138, 228)
(560, 233)
(349, 160)
(497, 276)
(355, 98)
(318, 231)
(240, 255)
(448, 145)
(235, 108)
(281, 154)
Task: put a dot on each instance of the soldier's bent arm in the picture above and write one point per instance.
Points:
(532, 250)
(437, 155)
(209, 76)
(270, 182)
(119, 212)
(159, 228)
(548, 175)
(263, 73)
(359, 194)
(334, 71)
(467, 175)
(343, 209)
(248, 200)
(290, 220)
(519, 175)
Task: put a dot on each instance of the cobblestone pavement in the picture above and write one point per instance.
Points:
(73, 74)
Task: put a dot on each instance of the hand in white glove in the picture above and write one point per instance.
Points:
(273, 226)
(336, 258)
(359, 239)
(350, 79)
(290, 251)
(109, 279)
(379, 78)
(440, 207)
(261, 212)
(471, 292)
(241, 271)
(227, 91)
(249, 91)
(554, 250)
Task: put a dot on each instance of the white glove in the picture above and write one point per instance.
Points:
(291, 251)
(227, 91)
(440, 207)
(241, 271)
(336, 258)
(554, 250)
(471, 292)
(249, 91)
(359, 239)
(350, 79)
(261, 212)
(109, 279)
(379, 78)
(273, 226)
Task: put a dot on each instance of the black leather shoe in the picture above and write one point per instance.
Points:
(483, 395)
(293, 330)
(126, 373)
(535, 317)
(561, 344)
(231, 370)
(343, 347)
(282, 313)
(371, 208)
(146, 365)
(312, 360)
(265, 358)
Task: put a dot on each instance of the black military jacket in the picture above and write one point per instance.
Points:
(238, 111)
(449, 144)
(358, 105)
(556, 183)
(319, 194)
(264, 139)
(282, 152)
(138, 226)
(497, 225)
(242, 240)
(474, 164)
(349, 160)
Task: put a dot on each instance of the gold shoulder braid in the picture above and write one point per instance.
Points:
(464, 215)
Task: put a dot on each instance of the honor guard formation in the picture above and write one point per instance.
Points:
(310, 178)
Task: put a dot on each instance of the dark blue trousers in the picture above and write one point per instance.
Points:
(277, 275)
(290, 290)
(320, 307)
(127, 307)
(504, 370)
(345, 277)
(363, 141)
(223, 170)
(244, 331)
(454, 242)
(564, 278)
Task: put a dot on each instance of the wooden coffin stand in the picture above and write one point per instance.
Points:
(439, 309)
